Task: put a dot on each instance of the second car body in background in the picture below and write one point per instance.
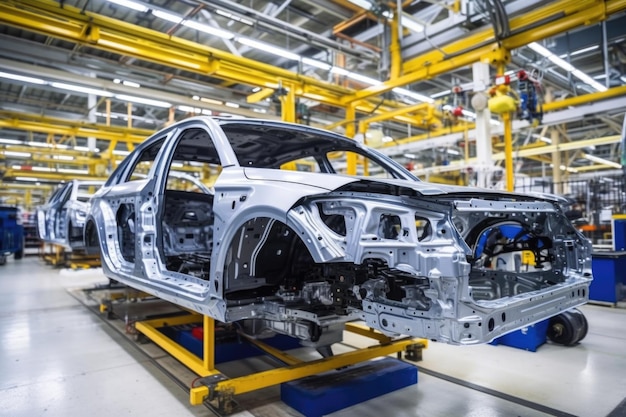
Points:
(62, 218)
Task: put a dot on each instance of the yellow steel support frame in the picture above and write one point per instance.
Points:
(294, 369)
(47, 17)
(202, 367)
(299, 369)
(71, 128)
(482, 46)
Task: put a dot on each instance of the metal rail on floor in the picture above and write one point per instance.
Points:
(213, 385)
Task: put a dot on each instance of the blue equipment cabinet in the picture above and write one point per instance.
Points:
(619, 232)
(11, 234)
(609, 276)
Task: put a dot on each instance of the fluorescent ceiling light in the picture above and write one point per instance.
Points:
(602, 161)
(268, 48)
(410, 23)
(564, 168)
(561, 63)
(210, 101)
(85, 149)
(120, 152)
(17, 154)
(339, 71)
(73, 171)
(234, 17)
(39, 144)
(130, 4)
(80, 89)
(317, 64)
(541, 50)
(440, 94)
(141, 100)
(167, 16)
(364, 4)
(187, 109)
(21, 78)
(409, 155)
(233, 105)
(221, 33)
(413, 95)
(581, 51)
(27, 179)
(63, 157)
(127, 83)
(42, 169)
(207, 112)
(363, 78)
(11, 141)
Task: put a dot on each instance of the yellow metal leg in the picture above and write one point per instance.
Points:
(149, 329)
(208, 338)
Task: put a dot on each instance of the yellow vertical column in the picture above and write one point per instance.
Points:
(556, 161)
(28, 199)
(350, 132)
(508, 149)
(129, 113)
(395, 50)
(288, 104)
(208, 345)
(108, 111)
(508, 138)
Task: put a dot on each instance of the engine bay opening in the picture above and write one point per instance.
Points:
(512, 247)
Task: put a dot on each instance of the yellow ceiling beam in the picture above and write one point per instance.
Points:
(51, 176)
(87, 28)
(72, 24)
(13, 186)
(585, 99)
(71, 128)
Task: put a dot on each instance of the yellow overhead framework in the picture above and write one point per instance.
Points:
(71, 128)
(50, 176)
(559, 16)
(547, 107)
(97, 31)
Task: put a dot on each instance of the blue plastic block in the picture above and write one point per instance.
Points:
(335, 390)
(528, 338)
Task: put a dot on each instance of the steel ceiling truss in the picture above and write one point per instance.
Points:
(68, 23)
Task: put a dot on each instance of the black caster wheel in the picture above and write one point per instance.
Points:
(568, 328)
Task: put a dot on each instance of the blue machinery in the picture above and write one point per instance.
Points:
(609, 268)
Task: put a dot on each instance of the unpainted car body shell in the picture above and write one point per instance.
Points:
(301, 253)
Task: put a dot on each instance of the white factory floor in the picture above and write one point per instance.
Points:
(58, 358)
